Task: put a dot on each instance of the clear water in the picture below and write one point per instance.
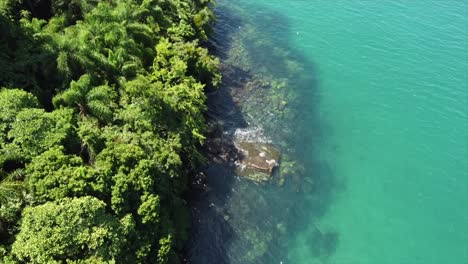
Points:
(380, 125)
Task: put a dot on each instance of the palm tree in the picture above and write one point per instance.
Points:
(90, 101)
(9, 189)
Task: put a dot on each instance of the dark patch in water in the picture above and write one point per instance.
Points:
(238, 221)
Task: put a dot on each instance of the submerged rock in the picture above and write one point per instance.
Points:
(257, 161)
(259, 243)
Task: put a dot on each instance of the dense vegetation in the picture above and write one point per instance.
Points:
(101, 119)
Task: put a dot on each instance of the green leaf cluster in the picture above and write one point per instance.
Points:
(101, 121)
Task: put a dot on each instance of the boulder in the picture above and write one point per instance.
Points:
(256, 161)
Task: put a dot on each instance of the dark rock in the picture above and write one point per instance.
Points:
(257, 161)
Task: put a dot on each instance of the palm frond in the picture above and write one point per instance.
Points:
(100, 110)
(103, 93)
(9, 190)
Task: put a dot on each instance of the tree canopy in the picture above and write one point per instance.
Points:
(101, 122)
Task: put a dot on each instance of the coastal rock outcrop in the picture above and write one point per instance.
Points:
(256, 161)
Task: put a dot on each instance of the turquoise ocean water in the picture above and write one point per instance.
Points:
(393, 80)
(381, 126)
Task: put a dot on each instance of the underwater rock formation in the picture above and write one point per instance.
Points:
(257, 161)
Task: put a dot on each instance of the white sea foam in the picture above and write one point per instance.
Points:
(251, 134)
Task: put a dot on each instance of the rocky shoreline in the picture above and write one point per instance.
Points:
(242, 160)
(251, 171)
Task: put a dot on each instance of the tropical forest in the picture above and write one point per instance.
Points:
(101, 123)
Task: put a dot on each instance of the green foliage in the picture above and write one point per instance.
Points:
(77, 228)
(26, 131)
(94, 101)
(187, 58)
(72, 10)
(11, 102)
(165, 249)
(97, 147)
(11, 203)
(150, 209)
(54, 175)
(202, 21)
(35, 131)
(90, 135)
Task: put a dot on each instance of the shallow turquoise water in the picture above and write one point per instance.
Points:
(394, 91)
(381, 127)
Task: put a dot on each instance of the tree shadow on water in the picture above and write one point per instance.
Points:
(211, 232)
(291, 210)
